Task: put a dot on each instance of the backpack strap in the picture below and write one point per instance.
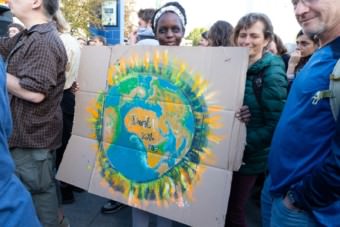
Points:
(258, 86)
(334, 86)
(333, 93)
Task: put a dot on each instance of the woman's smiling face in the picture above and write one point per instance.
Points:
(253, 38)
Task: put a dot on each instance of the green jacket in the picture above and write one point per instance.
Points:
(264, 114)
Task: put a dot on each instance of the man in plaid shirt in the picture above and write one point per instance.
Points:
(36, 60)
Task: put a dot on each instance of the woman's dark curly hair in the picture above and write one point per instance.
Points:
(314, 38)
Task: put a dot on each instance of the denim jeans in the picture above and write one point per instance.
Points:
(276, 214)
(266, 203)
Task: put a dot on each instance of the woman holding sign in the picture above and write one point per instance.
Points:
(265, 95)
(168, 24)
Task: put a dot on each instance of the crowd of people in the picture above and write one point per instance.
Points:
(292, 137)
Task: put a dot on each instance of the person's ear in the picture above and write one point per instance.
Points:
(36, 4)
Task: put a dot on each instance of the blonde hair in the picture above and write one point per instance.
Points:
(62, 25)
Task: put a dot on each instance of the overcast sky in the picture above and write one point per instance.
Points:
(203, 13)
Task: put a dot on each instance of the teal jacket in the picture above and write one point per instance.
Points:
(264, 114)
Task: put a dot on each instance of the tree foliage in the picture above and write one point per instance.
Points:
(195, 35)
(81, 13)
(129, 11)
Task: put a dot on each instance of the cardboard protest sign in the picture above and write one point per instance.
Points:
(155, 128)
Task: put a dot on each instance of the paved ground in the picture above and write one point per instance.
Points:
(85, 212)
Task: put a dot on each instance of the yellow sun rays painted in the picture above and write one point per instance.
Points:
(178, 183)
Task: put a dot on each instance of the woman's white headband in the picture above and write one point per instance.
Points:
(173, 9)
